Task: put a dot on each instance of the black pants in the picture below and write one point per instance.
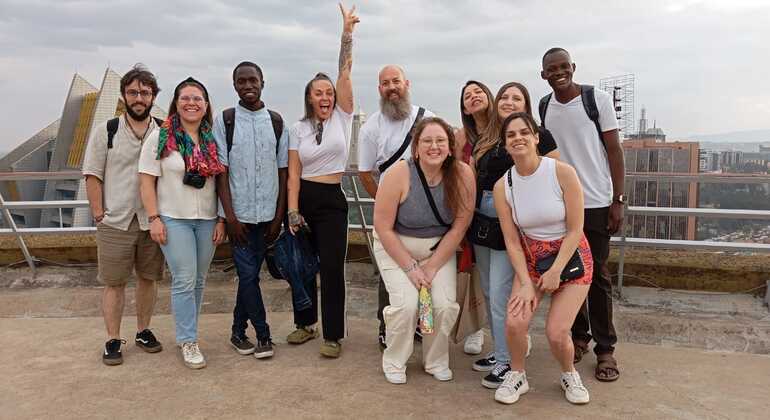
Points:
(596, 312)
(326, 212)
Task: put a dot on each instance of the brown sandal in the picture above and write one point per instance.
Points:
(607, 368)
(581, 348)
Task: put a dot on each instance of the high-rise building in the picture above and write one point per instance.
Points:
(358, 121)
(648, 155)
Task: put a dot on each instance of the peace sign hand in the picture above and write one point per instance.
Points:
(349, 18)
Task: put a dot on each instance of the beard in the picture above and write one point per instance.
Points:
(139, 117)
(396, 109)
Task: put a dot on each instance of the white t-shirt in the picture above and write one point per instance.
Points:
(175, 199)
(539, 206)
(329, 157)
(381, 137)
(579, 145)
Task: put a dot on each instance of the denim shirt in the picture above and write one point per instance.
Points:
(252, 163)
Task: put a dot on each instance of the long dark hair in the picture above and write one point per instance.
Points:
(454, 199)
(192, 82)
(309, 113)
(478, 136)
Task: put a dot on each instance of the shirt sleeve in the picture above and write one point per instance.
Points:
(367, 146)
(147, 162)
(607, 120)
(283, 149)
(547, 143)
(95, 159)
(221, 140)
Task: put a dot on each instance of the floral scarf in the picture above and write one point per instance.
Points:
(201, 158)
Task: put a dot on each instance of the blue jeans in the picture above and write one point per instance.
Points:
(248, 302)
(188, 250)
(496, 274)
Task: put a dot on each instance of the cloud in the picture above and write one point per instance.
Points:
(693, 60)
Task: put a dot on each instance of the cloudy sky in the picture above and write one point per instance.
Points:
(700, 65)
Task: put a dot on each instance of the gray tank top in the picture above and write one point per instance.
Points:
(415, 217)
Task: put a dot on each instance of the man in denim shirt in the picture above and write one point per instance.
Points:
(252, 192)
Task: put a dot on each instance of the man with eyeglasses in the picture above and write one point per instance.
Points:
(383, 140)
(253, 145)
(123, 241)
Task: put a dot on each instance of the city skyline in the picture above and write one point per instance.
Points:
(692, 59)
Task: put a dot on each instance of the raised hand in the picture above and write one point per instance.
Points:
(349, 18)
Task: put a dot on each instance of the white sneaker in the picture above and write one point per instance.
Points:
(529, 345)
(573, 388)
(514, 385)
(396, 378)
(474, 342)
(192, 356)
(443, 375)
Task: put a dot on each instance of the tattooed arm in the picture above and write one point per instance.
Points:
(344, 84)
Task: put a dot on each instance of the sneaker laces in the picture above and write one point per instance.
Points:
(573, 381)
(510, 380)
(500, 368)
(190, 349)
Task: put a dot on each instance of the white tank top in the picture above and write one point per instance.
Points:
(539, 202)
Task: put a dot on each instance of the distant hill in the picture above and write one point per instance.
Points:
(748, 136)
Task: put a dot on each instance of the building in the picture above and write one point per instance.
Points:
(358, 121)
(708, 161)
(644, 132)
(648, 155)
(61, 147)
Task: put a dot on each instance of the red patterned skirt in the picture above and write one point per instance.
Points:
(540, 249)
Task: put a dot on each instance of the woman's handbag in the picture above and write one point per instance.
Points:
(574, 268)
(485, 231)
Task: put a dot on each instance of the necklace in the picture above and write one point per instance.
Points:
(138, 137)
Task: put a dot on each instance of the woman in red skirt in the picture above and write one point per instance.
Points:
(540, 205)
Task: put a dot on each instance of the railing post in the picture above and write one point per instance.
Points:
(61, 222)
(22, 244)
(369, 238)
(622, 252)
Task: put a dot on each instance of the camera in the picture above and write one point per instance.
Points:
(194, 180)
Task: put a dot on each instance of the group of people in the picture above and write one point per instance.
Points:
(535, 207)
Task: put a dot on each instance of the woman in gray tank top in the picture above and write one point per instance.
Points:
(415, 246)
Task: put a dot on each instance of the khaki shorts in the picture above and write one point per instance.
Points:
(121, 253)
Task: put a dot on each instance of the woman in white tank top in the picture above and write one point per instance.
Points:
(540, 206)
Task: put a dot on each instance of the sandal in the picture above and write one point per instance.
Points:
(607, 368)
(581, 348)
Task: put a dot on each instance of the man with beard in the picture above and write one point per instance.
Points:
(383, 141)
(253, 145)
(122, 230)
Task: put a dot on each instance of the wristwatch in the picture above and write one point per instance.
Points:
(620, 198)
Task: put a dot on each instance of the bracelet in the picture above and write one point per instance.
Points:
(411, 268)
(221, 220)
(152, 218)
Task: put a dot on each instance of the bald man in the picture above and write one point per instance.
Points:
(383, 141)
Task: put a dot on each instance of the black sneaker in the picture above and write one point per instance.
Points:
(485, 364)
(242, 345)
(146, 341)
(418, 335)
(112, 355)
(497, 376)
(264, 348)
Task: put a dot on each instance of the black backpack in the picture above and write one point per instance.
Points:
(112, 128)
(228, 117)
(589, 104)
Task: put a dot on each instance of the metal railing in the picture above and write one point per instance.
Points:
(359, 203)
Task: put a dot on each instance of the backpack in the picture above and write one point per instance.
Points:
(228, 117)
(112, 128)
(589, 104)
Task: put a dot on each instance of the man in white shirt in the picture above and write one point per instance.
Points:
(381, 143)
(586, 132)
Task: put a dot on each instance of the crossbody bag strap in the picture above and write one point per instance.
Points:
(430, 196)
(407, 140)
(518, 221)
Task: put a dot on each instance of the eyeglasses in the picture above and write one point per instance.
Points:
(319, 132)
(131, 93)
(195, 99)
(436, 142)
